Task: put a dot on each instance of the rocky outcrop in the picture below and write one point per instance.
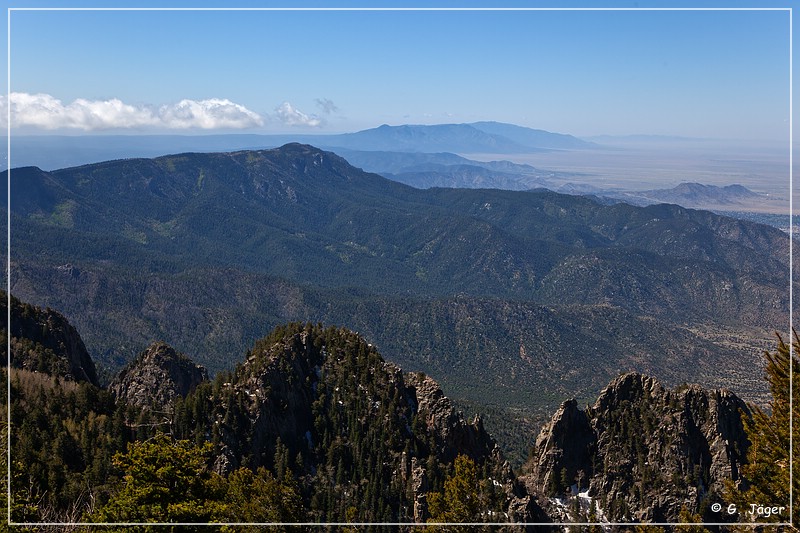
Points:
(279, 384)
(323, 403)
(565, 445)
(454, 435)
(42, 340)
(270, 401)
(157, 377)
(641, 452)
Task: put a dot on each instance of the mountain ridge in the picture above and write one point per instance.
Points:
(533, 137)
(203, 249)
(700, 193)
(43, 340)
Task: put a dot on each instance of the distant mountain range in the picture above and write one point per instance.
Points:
(695, 195)
(532, 137)
(478, 137)
(57, 151)
(444, 169)
(542, 295)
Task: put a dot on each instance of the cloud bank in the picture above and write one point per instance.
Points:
(47, 112)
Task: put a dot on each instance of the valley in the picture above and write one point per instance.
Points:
(627, 166)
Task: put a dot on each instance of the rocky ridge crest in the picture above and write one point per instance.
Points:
(157, 377)
(642, 452)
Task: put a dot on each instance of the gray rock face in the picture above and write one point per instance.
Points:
(419, 486)
(642, 452)
(157, 377)
(454, 434)
(565, 444)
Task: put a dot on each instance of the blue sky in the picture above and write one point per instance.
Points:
(722, 74)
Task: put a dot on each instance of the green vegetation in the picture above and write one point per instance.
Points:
(169, 481)
(766, 475)
(163, 481)
(63, 437)
(313, 426)
(688, 518)
(465, 499)
(64, 214)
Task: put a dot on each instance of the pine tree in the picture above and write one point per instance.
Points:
(593, 519)
(281, 459)
(766, 473)
(459, 502)
(259, 497)
(165, 481)
(565, 484)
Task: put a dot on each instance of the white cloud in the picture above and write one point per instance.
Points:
(290, 116)
(46, 112)
(208, 114)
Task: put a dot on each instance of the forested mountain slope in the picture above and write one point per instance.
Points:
(313, 414)
(547, 295)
